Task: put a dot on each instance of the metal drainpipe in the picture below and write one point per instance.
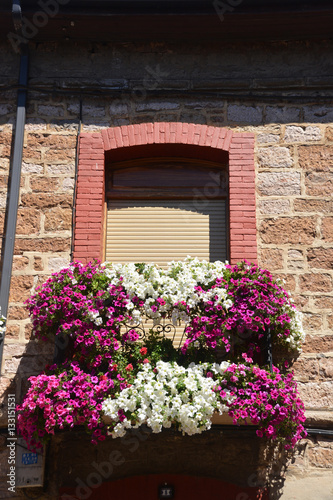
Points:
(15, 177)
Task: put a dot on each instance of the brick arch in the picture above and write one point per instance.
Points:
(90, 192)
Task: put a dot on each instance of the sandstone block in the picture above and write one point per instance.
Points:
(42, 245)
(320, 258)
(271, 259)
(306, 369)
(302, 134)
(275, 157)
(312, 322)
(12, 332)
(295, 254)
(214, 106)
(6, 138)
(5, 109)
(58, 219)
(318, 114)
(64, 125)
(267, 138)
(318, 343)
(279, 183)
(215, 119)
(3, 200)
(3, 182)
(274, 207)
(65, 169)
(326, 368)
(316, 282)
(316, 395)
(50, 110)
(51, 141)
(96, 126)
(20, 288)
(34, 124)
(53, 155)
(20, 262)
(73, 108)
(294, 230)
(240, 113)
(317, 419)
(55, 264)
(17, 313)
(296, 264)
(38, 264)
(278, 114)
(44, 184)
(31, 155)
(91, 110)
(324, 302)
(31, 168)
(301, 302)
(4, 151)
(28, 221)
(118, 108)
(312, 205)
(295, 259)
(319, 183)
(329, 133)
(320, 458)
(315, 158)
(157, 106)
(41, 200)
(330, 322)
(68, 184)
(4, 165)
(327, 229)
(288, 280)
(28, 333)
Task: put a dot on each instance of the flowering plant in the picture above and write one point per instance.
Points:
(165, 395)
(187, 397)
(109, 370)
(60, 399)
(269, 399)
(222, 305)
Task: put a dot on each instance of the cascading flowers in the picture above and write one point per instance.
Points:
(186, 398)
(108, 369)
(218, 302)
(166, 395)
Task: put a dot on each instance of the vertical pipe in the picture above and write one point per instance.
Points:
(14, 188)
(75, 178)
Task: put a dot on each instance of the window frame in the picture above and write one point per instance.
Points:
(164, 139)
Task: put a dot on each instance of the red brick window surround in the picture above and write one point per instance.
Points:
(157, 139)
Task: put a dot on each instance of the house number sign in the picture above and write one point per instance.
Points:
(165, 491)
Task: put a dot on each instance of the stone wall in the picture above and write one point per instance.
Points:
(127, 84)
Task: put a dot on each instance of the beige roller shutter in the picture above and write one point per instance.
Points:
(163, 230)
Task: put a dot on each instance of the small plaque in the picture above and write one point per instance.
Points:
(29, 466)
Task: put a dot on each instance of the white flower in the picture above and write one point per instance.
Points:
(159, 399)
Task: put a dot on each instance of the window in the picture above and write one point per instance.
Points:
(99, 151)
(163, 209)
